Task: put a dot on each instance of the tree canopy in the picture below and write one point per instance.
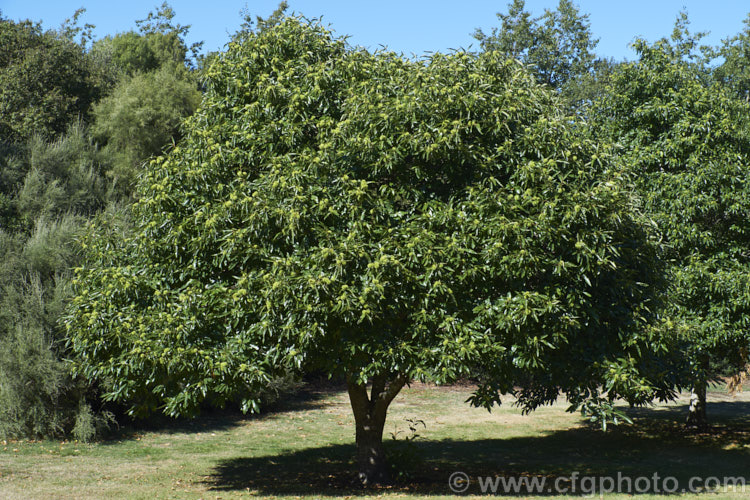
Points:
(685, 139)
(734, 71)
(158, 42)
(143, 113)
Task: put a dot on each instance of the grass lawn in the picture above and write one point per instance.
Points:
(304, 449)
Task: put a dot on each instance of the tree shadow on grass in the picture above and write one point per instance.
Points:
(309, 397)
(221, 419)
(658, 444)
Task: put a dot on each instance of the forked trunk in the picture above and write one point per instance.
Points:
(369, 418)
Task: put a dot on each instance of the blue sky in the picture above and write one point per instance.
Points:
(409, 26)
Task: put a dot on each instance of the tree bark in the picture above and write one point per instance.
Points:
(369, 417)
(697, 412)
(697, 418)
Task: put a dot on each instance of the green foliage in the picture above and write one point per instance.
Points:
(30, 410)
(368, 216)
(34, 382)
(685, 139)
(250, 25)
(48, 187)
(63, 176)
(31, 375)
(158, 44)
(70, 29)
(127, 52)
(142, 116)
(583, 91)
(84, 429)
(90, 425)
(404, 457)
(46, 179)
(46, 81)
(167, 39)
(557, 46)
(52, 176)
(153, 90)
(735, 69)
(131, 53)
(601, 411)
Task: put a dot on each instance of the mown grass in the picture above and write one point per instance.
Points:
(303, 448)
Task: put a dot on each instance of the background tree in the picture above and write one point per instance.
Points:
(375, 218)
(50, 178)
(45, 81)
(735, 69)
(157, 43)
(557, 46)
(49, 187)
(128, 52)
(167, 38)
(53, 177)
(250, 25)
(685, 139)
(155, 90)
(142, 116)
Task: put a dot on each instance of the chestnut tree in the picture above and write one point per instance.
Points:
(378, 218)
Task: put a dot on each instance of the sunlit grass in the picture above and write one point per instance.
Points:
(304, 449)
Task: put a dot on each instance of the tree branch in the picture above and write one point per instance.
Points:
(393, 388)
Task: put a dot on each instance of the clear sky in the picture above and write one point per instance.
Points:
(409, 26)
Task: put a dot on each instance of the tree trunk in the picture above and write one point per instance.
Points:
(369, 418)
(371, 462)
(697, 412)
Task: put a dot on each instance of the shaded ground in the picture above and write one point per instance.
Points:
(303, 447)
(658, 444)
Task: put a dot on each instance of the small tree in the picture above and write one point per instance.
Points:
(685, 139)
(376, 218)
